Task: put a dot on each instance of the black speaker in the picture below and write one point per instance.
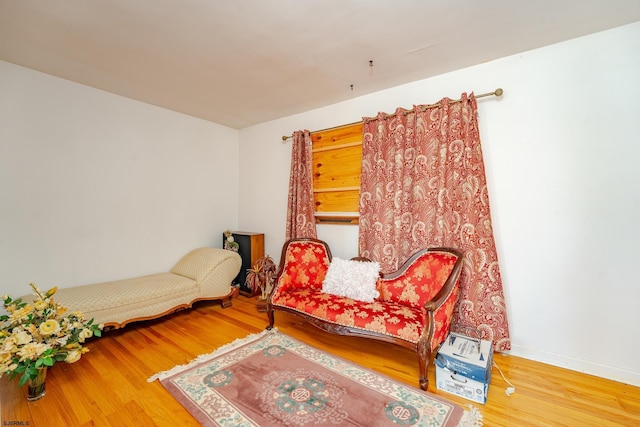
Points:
(250, 249)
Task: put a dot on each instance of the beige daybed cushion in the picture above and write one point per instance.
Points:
(204, 273)
(124, 300)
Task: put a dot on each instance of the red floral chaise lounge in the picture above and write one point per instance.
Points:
(413, 308)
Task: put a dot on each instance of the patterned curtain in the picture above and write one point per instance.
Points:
(300, 219)
(423, 184)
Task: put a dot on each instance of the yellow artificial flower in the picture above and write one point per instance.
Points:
(40, 305)
(51, 292)
(32, 351)
(19, 314)
(73, 356)
(84, 334)
(62, 341)
(9, 345)
(8, 367)
(49, 327)
(22, 337)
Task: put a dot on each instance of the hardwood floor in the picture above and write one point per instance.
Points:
(108, 386)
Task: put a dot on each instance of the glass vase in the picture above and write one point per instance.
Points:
(36, 386)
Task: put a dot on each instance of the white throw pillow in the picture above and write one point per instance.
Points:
(352, 279)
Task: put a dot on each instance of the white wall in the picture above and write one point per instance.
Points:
(561, 150)
(97, 187)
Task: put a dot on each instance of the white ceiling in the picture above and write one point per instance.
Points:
(242, 62)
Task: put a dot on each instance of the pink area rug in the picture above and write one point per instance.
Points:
(271, 379)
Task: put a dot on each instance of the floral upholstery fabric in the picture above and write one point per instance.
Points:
(305, 265)
(419, 284)
(442, 317)
(379, 316)
(398, 312)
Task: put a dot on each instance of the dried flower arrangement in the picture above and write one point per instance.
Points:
(260, 277)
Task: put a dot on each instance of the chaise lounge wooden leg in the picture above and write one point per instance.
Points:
(228, 300)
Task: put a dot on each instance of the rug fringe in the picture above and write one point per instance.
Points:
(471, 418)
(204, 357)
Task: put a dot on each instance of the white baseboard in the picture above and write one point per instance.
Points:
(579, 365)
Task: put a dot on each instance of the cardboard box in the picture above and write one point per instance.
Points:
(459, 385)
(463, 367)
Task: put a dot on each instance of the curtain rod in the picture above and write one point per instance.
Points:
(497, 92)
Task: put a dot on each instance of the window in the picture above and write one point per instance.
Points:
(337, 160)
